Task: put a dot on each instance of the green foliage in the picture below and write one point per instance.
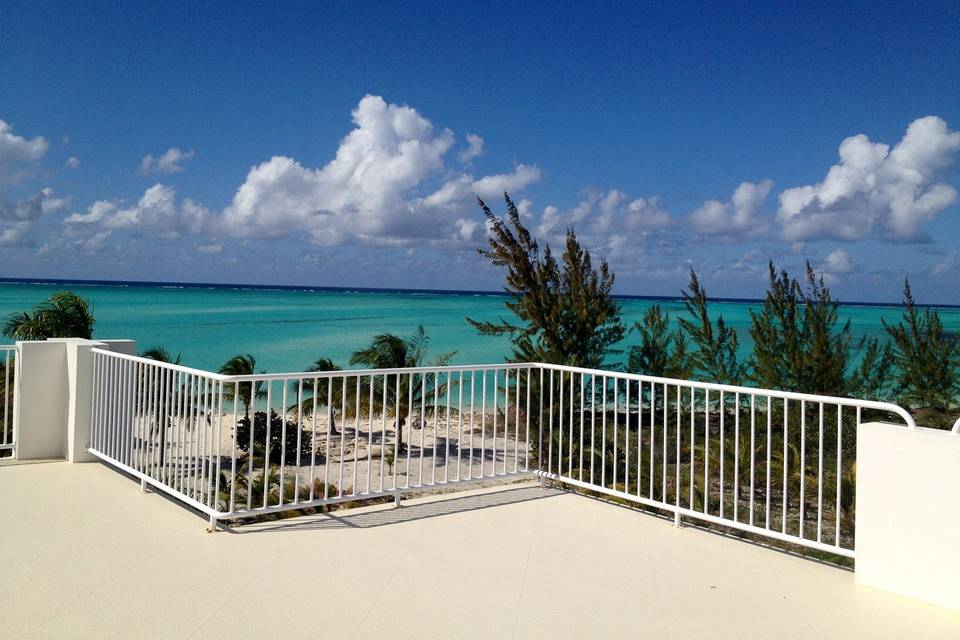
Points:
(715, 350)
(925, 356)
(566, 310)
(160, 354)
(283, 438)
(63, 315)
(873, 378)
(242, 364)
(386, 351)
(661, 352)
(798, 341)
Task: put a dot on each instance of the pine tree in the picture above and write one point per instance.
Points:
(926, 357)
(566, 311)
(872, 378)
(661, 353)
(799, 343)
(715, 350)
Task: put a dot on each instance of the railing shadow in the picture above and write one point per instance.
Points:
(389, 515)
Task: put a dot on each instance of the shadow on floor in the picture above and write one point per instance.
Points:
(389, 515)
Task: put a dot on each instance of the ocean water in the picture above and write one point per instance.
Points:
(286, 329)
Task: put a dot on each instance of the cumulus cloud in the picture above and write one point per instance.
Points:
(474, 148)
(72, 162)
(370, 191)
(603, 213)
(17, 218)
(387, 185)
(155, 214)
(873, 188)
(838, 262)
(19, 156)
(740, 216)
(459, 190)
(171, 161)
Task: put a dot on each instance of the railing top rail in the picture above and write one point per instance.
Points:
(309, 375)
(773, 393)
(162, 365)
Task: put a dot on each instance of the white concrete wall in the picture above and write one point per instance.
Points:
(52, 404)
(908, 512)
(40, 401)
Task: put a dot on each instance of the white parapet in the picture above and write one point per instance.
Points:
(53, 396)
(908, 512)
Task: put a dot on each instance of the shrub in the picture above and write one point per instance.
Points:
(288, 449)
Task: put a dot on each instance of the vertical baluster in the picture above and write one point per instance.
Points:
(736, 458)
(676, 516)
(370, 438)
(460, 423)
(753, 448)
(383, 428)
(570, 429)
(723, 436)
(626, 440)
(296, 478)
(769, 436)
(233, 449)
(473, 385)
(616, 420)
(836, 535)
(603, 432)
(706, 450)
(266, 444)
(803, 462)
(550, 447)
(693, 440)
(313, 438)
(356, 439)
(820, 477)
(526, 450)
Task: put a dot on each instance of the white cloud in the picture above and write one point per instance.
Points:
(212, 248)
(738, 217)
(838, 262)
(17, 219)
(474, 148)
(18, 156)
(948, 264)
(72, 162)
(171, 161)
(461, 190)
(603, 216)
(381, 189)
(155, 214)
(873, 188)
(370, 192)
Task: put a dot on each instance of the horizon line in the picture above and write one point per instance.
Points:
(321, 288)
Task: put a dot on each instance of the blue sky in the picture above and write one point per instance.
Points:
(327, 144)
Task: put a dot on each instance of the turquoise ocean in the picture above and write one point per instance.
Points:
(286, 329)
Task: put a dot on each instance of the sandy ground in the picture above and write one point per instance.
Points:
(363, 457)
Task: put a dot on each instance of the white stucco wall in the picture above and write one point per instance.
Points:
(908, 512)
(52, 406)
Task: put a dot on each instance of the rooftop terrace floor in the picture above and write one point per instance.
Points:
(84, 554)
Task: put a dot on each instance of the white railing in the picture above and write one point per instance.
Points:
(8, 372)
(317, 438)
(776, 464)
(731, 456)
